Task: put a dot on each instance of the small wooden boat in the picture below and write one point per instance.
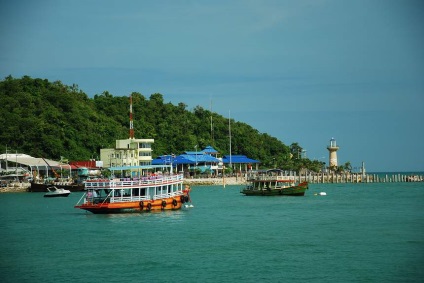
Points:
(53, 191)
(273, 183)
(144, 194)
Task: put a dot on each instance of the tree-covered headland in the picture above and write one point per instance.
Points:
(53, 120)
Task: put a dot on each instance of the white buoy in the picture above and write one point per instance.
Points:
(322, 193)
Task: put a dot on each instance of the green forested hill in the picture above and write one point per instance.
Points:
(50, 119)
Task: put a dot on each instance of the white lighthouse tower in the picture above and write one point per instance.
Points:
(332, 148)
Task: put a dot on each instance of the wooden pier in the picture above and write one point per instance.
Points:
(358, 178)
(240, 179)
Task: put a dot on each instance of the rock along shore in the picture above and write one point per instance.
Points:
(15, 188)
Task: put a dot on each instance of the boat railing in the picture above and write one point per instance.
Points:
(128, 182)
(280, 178)
(168, 195)
(126, 199)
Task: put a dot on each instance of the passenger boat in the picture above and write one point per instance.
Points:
(273, 183)
(159, 191)
(56, 192)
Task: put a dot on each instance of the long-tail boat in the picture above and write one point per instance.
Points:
(273, 183)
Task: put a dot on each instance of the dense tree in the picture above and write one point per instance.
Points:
(50, 119)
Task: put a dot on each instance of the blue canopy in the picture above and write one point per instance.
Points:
(174, 160)
(238, 159)
(201, 158)
(184, 159)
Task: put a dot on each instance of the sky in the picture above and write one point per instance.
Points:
(301, 71)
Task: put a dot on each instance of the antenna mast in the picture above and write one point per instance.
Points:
(212, 137)
(229, 132)
(131, 120)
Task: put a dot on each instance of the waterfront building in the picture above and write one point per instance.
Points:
(128, 152)
(332, 149)
(206, 161)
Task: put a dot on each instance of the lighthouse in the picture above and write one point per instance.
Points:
(332, 148)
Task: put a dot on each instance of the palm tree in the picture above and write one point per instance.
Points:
(348, 167)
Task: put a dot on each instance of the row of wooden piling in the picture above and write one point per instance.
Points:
(358, 178)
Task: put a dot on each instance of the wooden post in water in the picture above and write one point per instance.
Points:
(223, 176)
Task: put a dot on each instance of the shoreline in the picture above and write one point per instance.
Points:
(215, 181)
(23, 187)
(16, 188)
(241, 180)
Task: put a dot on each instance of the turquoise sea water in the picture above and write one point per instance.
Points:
(357, 233)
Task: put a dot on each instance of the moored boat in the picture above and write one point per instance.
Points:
(53, 191)
(119, 195)
(273, 183)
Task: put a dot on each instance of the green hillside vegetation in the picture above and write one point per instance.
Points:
(53, 120)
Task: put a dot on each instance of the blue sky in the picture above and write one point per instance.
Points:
(301, 71)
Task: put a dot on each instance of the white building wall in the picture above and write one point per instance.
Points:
(129, 152)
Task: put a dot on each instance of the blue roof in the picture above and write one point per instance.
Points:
(209, 149)
(184, 159)
(193, 152)
(238, 159)
(200, 158)
(168, 159)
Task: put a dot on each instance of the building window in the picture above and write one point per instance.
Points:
(141, 153)
(145, 145)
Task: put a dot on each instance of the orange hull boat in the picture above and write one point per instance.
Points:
(159, 192)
